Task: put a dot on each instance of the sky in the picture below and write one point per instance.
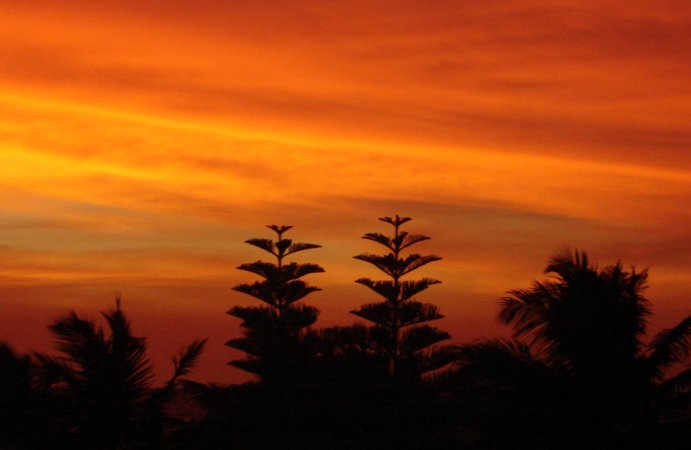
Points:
(141, 142)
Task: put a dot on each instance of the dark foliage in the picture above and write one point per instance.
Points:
(97, 394)
(398, 331)
(578, 372)
(274, 330)
(577, 367)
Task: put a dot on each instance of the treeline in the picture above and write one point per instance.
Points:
(577, 373)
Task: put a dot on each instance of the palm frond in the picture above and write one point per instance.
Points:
(670, 346)
(186, 359)
(52, 371)
(681, 382)
(80, 340)
(565, 263)
(525, 310)
(501, 365)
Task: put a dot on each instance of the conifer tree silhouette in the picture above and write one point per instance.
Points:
(274, 330)
(398, 330)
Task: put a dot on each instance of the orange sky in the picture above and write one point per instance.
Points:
(142, 141)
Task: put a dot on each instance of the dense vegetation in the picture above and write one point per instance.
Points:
(578, 372)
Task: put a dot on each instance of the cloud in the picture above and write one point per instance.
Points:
(608, 77)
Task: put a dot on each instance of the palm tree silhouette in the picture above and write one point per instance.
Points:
(104, 381)
(593, 321)
(507, 396)
(588, 324)
(22, 421)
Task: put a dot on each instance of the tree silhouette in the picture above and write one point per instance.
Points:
(587, 325)
(353, 402)
(22, 418)
(578, 371)
(508, 396)
(104, 382)
(398, 329)
(591, 320)
(273, 331)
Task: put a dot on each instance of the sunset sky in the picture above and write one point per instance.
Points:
(141, 142)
